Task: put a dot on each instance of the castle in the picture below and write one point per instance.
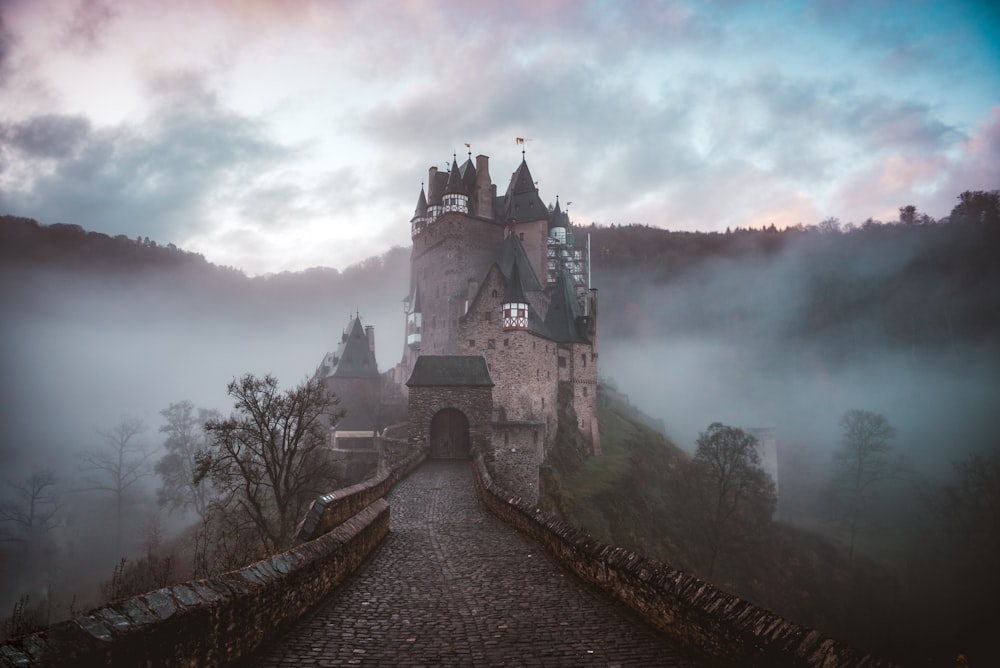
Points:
(501, 325)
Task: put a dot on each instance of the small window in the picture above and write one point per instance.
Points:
(488, 316)
(520, 236)
(491, 344)
(583, 359)
(506, 343)
(562, 362)
(472, 343)
(584, 391)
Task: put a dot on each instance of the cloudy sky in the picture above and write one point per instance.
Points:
(277, 136)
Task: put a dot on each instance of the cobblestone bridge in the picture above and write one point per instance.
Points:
(453, 586)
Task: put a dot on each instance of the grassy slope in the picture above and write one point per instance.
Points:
(624, 497)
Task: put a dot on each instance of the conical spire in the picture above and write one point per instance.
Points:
(515, 305)
(515, 291)
(456, 195)
(456, 186)
(522, 202)
(421, 211)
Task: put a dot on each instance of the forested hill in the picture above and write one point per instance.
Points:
(25, 241)
(27, 245)
(909, 286)
(835, 288)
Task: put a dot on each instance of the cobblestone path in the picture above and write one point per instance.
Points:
(454, 586)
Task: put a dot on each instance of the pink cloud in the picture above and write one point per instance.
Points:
(978, 167)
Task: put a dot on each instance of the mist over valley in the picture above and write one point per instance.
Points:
(783, 330)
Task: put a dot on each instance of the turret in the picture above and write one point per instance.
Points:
(435, 190)
(419, 220)
(456, 196)
(515, 304)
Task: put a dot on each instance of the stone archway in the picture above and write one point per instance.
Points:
(450, 435)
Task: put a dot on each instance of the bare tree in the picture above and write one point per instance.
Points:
(862, 462)
(118, 466)
(186, 438)
(735, 495)
(267, 458)
(32, 512)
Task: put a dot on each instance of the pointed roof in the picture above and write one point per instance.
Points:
(564, 310)
(455, 184)
(421, 210)
(557, 218)
(522, 203)
(468, 171)
(515, 292)
(512, 252)
(354, 357)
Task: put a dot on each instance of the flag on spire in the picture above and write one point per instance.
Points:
(519, 140)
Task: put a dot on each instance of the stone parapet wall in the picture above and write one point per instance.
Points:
(217, 621)
(329, 510)
(211, 622)
(720, 627)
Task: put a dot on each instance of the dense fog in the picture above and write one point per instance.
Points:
(787, 339)
(736, 340)
(84, 350)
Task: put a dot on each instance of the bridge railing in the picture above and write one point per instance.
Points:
(711, 623)
(219, 620)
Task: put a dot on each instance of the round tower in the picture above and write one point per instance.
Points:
(419, 220)
(456, 195)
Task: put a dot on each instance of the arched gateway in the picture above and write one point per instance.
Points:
(450, 406)
(450, 435)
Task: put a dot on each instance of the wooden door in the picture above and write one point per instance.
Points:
(450, 435)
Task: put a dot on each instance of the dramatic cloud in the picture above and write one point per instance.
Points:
(241, 128)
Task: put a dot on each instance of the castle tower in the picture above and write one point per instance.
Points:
(419, 220)
(498, 276)
(456, 196)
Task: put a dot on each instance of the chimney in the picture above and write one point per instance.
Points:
(484, 187)
(370, 333)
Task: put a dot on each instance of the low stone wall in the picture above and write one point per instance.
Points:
(209, 622)
(709, 622)
(331, 509)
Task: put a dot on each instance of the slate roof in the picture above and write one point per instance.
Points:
(421, 210)
(515, 293)
(469, 174)
(512, 252)
(353, 359)
(521, 202)
(557, 218)
(564, 309)
(456, 186)
(450, 371)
